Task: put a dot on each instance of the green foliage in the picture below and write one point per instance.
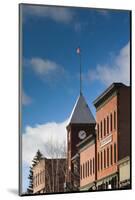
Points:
(35, 160)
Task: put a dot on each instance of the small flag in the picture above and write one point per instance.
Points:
(78, 50)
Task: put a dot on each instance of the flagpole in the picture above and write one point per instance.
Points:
(80, 74)
(78, 50)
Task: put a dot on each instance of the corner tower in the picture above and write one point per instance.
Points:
(81, 125)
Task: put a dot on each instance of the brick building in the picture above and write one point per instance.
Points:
(98, 152)
(81, 125)
(49, 176)
(86, 149)
(113, 134)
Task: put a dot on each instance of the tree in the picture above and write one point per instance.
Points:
(57, 170)
(30, 177)
(55, 167)
(35, 160)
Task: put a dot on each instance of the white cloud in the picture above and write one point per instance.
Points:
(43, 137)
(117, 71)
(57, 14)
(47, 70)
(26, 100)
(42, 66)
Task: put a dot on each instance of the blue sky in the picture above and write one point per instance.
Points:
(50, 72)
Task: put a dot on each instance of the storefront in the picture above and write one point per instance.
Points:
(110, 182)
(124, 173)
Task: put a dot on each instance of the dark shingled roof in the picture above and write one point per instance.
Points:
(81, 113)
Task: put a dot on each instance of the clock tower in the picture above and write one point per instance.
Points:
(81, 125)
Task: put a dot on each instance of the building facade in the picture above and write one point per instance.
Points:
(49, 176)
(86, 150)
(113, 133)
(98, 152)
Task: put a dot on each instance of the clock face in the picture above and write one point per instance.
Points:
(82, 134)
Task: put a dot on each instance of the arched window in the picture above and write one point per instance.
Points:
(111, 155)
(98, 162)
(93, 165)
(101, 128)
(104, 127)
(107, 125)
(88, 168)
(83, 170)
(114, 152)
(36, 180)
(107, 157)
(111, 122)
(98, 131)
(40, 177)
(114, 120)
(104, 158)
(101, 160)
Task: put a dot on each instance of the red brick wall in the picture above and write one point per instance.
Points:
(85, 157)
(111, 136)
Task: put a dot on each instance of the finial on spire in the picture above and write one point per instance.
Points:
(78, 51)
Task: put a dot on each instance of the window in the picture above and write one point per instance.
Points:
(101, 128)
(107, 125)
(40, 178)
(111, 122)
(93, 166)
(114, 120)
(114, 152)
(90, 167)
(101, 161)
(104, 127)
(43, 176)
(81, 171)
(98, 131)
(107, 157)
(111, 155)
(98, 161)
(35, 180)
(104, 158)
(86, 168)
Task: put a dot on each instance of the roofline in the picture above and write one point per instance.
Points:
(44, 158)
(113, 86)
(71, 121)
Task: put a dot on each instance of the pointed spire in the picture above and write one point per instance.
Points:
(81, 113)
